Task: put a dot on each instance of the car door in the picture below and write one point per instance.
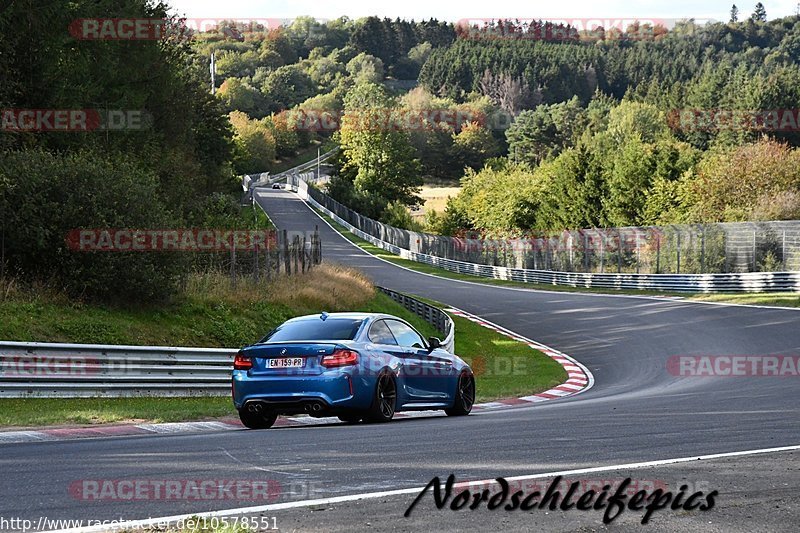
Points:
(426, 373)
(383, 339)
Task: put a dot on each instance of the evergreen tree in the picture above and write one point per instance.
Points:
(760, 13)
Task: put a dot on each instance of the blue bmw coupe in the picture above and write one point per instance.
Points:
(357, 366)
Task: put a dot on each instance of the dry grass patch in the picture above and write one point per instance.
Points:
(435, 198)
(327, 286)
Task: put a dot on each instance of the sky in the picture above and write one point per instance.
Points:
(473, 9)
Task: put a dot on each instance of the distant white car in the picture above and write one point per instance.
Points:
(276, 186)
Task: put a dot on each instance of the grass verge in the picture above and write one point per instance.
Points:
(783, 299)
(211, 313)
(504, 368)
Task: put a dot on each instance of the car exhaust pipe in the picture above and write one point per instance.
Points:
(307, 407)
(255, 407)
(317, 407)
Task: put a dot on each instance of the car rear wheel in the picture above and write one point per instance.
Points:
(257, 420)
(384, 402)
(465, 395)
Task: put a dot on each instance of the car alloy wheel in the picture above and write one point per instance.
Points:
(465, 395)
(383, 405)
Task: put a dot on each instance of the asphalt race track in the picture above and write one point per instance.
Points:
(637, 411)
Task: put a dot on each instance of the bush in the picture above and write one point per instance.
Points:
(49, 195)
(397, 215)
(738, 184)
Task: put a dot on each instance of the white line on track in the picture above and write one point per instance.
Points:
(151, 522)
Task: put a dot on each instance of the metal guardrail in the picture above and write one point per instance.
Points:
(54, 370)
(430, 314)
(728, 282)
(713, 248)
(264, 179)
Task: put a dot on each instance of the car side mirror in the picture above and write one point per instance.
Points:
(434, 343)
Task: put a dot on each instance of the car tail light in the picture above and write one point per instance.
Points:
(340, 358)
(240, 362)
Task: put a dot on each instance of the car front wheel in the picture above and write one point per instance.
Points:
(465, 395)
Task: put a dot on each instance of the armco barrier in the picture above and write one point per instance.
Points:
(265, 180)
(54, 370)
(706, 283)
(31, 369)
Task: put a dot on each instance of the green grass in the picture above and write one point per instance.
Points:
(27, 412)
(188, 323)
(503, 367)
(783, 299)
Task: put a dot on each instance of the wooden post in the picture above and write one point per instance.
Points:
(319, 245)
(296, 253)
(255, 268)
(303, 254)
(268, 262)
(233, 266)
(287, 260)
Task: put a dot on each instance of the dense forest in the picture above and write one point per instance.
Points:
(173, 170)
(544, 126)
(547, 127)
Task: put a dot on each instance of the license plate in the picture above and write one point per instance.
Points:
(286, 362)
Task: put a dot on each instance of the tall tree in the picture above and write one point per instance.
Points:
(734, 14)
(760, 13)
(375, 151)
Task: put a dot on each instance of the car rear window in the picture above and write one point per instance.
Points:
(331, 329)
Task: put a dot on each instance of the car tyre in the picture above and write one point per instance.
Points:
(465, 395)
(385, 400)
(262, 420)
